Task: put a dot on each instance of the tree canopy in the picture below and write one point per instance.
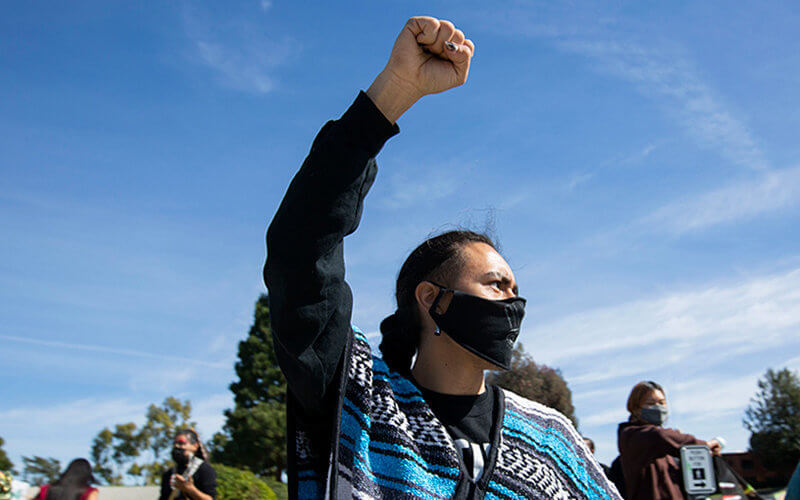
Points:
(6, 464)
(773, 418)
(254, 434)
(536, 382)
(40, 470)
(140, 452)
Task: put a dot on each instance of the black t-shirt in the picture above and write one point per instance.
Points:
(205, 480)
(469, 420)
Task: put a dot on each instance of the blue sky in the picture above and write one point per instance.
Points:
(638, 163)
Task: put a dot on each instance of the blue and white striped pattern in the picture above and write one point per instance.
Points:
(391, 446)
(542, 456)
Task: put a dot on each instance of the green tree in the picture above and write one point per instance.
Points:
(162, 422)
(112, 450)
(536, 382)
(773, 419)
(140, 452)
(102, 450)
(254, 434)
(39, 470)
(6, 465)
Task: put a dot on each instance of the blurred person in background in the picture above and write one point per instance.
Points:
(74, 484)
(192, 478)
(616, 476)
(648, 449)
(590, 444)
(5, 485)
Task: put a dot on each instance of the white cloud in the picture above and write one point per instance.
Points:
(164, 379)
(241, 54)
(666, 75)
(635, 157)
(771, 191)
(407, 190)
(659, 71)
(220, 343)
(728, 394)
(237, 70)
(578, 179)
(640, 155)
(63, 430)
(793, 364)
(604, 417)
(754, 314)
(208, 413)
(73, 413)
(113, 350)
(708, 346)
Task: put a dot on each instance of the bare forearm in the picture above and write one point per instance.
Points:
(195, 494)
(391, 96)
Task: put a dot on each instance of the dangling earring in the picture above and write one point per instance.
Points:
(436, 331)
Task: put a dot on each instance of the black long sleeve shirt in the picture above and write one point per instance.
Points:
(310, 302)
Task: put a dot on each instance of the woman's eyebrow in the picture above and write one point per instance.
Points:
(503, 278)
(497, 275)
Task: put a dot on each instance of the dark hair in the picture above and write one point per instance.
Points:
(439, 259)
(194, 439)
(639, 392)
(589, 443)
(73, 481)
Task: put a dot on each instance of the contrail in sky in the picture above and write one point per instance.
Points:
(112, 350)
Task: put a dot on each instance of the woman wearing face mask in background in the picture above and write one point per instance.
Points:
(192, 478)
(363, 426)
(647, 449)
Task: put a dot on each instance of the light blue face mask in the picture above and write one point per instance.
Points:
(656, 414)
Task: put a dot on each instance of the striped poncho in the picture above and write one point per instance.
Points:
(390, 445)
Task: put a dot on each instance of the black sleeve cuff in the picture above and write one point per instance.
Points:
(369, 127)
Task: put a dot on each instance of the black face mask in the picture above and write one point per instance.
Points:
(486, 328)
(179, 456)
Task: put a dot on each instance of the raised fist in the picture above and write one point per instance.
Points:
(429, 56)
(423, 59)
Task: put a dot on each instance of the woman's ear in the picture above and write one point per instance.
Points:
(426, 293)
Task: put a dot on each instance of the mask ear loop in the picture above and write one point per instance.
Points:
(442, 291)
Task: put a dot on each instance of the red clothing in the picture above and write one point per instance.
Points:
(43, 492)
(647, 451)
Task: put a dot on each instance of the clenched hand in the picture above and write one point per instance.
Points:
(429, 56)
